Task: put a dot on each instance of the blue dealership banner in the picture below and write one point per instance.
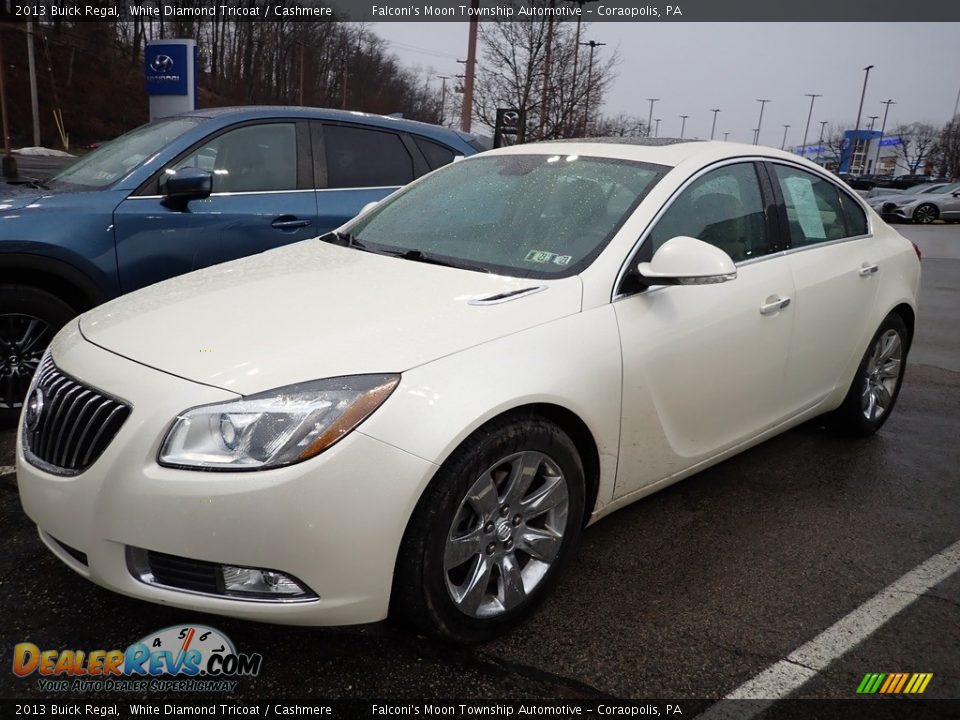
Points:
(165, 65)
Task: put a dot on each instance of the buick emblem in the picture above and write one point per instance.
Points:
(161, 64)
(34, 409)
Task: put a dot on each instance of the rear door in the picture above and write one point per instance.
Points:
(836, 265)
(262, 198)
(359, 164)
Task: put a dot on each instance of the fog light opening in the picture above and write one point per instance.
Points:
(254, 582)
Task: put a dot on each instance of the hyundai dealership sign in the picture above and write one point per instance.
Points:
(170, 71)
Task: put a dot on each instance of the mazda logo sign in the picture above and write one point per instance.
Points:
(161, 64)
(511, 118)
(34, 409)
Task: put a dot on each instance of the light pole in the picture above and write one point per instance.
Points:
(713, 127)
(856, 132)
(806, 129)
(872, 119)
(783, 145)
(593, 45)
(443, 98)
(576, 56)
(756, 133)
(823, 125)
(725, 136)
(883, 129)
(650, 114)
(683, 125)
(656, 131)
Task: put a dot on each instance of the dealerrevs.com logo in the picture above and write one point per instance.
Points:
(181, 658)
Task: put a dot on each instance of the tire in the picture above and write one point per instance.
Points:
(876, 386)
(460, 553)
(926, 214)
(29, 318)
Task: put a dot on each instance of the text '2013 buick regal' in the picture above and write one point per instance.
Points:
(418, 414)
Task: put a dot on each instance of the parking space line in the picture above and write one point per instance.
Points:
(803, 664)
(7, 470)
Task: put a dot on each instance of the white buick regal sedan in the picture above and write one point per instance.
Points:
(418, 414)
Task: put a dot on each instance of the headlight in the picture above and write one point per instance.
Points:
(274, 428)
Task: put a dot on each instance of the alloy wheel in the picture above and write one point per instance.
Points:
(23, 338)
(506, 534)
(925, 214)
(882, 376)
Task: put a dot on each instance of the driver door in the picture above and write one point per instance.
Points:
(262, 198)
(704, 365)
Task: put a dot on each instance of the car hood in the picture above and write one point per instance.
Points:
(16, 196)
(314, 310)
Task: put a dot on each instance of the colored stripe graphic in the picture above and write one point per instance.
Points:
(894, 683)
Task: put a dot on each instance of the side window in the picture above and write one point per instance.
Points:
(724, 208)
(358, 157)
(437, 155)
(248, 159)
(853, 214)
(814, 212)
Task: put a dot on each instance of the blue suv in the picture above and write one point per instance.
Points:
(186, 192)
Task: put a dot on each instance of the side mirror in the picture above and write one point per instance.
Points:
(187, 184)
(687, 261)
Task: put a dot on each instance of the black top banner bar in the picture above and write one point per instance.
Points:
(854, 11)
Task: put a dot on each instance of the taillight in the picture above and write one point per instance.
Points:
(916, 249)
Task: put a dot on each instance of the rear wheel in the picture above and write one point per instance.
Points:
(926, 214)
(491, 532)
(29, 318)
(876, 386)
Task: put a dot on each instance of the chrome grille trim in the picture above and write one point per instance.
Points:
(76, 426)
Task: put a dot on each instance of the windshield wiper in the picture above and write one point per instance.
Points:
(420, 256)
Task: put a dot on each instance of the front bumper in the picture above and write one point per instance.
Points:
(334, 522)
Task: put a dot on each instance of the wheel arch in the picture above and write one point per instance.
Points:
(908, 315)
(54, 276)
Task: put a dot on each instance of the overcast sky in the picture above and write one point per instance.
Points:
(696, 66)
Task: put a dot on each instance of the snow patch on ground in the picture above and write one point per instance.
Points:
(50, 152)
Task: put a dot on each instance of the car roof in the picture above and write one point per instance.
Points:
(254, 112)
(660, 151)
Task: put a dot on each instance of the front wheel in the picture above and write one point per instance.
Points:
(491, 532)
(876, 386)
(29, 318)
(926, 214)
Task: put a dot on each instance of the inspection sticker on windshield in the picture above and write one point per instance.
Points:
(542, 256)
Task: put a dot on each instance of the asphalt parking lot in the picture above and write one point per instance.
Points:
(690, 593)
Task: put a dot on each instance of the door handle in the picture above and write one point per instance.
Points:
(868, 270)
(769, 308)
(288, 222)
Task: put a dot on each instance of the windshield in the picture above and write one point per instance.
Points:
(118, 157)
(541, 216)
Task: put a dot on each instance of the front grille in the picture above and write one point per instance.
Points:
(184, 573)
(67, 425)
(889, 207)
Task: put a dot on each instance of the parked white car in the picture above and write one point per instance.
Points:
(419, 413)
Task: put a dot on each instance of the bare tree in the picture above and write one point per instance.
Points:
(946, 151)
(835, 143)
(916, 141)
(622, 125)
(511, 70)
